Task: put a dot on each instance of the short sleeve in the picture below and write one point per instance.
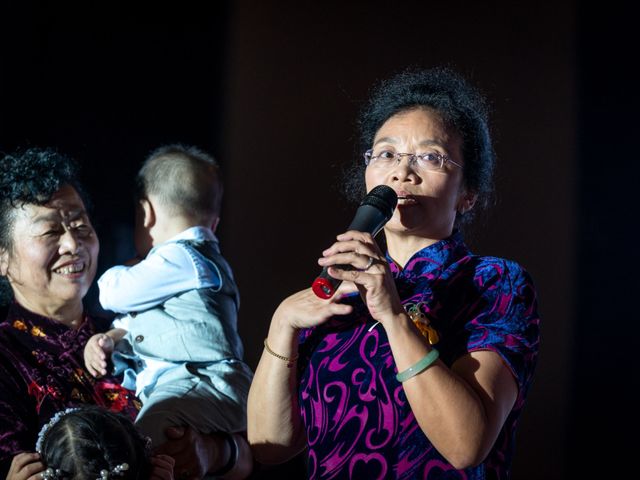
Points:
(505, 318)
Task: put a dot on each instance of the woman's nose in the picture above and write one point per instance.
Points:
(70, 241)
(404, 167)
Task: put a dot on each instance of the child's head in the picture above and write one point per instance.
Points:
(178, 187)
(92, 443)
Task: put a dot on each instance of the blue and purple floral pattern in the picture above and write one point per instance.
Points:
(358, 421)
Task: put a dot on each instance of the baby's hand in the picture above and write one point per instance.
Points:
(95, 354)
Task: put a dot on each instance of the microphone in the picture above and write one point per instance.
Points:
(375, 209)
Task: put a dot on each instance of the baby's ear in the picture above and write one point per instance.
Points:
(148, 213)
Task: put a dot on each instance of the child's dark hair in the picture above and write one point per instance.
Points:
(84, 443)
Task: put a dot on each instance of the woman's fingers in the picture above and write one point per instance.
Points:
(33, 470)
(369, 271)
(357, 249)
(363, 237)
(359, 245)
(359, 261)
(25, 466)
(304, 309)
(20, 460)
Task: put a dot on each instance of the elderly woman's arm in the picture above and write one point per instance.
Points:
(275, 429)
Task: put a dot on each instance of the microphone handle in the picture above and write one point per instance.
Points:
(368, 219)
(324, 286)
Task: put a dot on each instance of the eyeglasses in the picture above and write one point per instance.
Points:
(430, 161)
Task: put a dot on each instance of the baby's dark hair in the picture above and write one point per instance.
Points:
(185, 179)
(31, 176)
(84, 442)
(460, 106)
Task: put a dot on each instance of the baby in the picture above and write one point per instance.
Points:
(176, 343)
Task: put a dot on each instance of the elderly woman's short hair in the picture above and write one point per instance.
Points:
(30, 176)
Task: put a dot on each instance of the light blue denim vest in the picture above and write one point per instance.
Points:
(197, 327)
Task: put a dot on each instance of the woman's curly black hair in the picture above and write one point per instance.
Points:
(30, 176)
(460, 106)
(86, 441)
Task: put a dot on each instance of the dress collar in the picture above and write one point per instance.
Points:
(198, 234)
(432, 258)
(19, 319)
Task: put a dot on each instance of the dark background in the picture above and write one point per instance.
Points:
(272, 89)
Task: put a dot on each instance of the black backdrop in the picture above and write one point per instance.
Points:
(270, 87)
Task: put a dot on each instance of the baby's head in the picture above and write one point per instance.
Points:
(93, 443)
(178, 187)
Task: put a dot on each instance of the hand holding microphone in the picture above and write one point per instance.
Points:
(374, 211)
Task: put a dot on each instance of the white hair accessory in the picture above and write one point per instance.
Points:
(117, 471)
(45, 428)
(51, 474)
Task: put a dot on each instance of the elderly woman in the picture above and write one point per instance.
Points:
(420, 365)
(48, 255)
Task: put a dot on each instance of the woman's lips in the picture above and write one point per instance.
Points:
(405, 198)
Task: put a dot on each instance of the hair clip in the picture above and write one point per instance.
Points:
(51, 474)
(117, 471)
(45, 428)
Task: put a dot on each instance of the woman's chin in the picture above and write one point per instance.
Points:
(73, 292)
(406, 225)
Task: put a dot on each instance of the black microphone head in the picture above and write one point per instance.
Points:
(384, 198)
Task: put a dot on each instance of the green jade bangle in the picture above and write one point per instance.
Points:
(420, 366)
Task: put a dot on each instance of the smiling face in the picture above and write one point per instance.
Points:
(427, 199)
(54, 255)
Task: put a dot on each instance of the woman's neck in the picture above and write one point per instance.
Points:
(402, 247)
(69, 315)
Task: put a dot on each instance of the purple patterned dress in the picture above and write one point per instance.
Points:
(358, 421)
(42, 372)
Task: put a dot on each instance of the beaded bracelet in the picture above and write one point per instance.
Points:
(289, 360)
(420, 366)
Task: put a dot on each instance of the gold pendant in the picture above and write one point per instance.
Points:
(422, 323)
